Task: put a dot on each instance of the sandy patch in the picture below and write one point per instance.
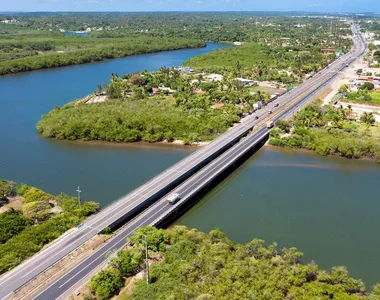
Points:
(97, 99)
(14, 202)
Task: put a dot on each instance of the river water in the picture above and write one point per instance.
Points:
(104, 173)
(325, 206)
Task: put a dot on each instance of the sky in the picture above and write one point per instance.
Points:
(192, 5)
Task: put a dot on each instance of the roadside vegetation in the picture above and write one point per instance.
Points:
(151, 107)
(41, 219)
(329, 130)
(365, 93)
(188, 264)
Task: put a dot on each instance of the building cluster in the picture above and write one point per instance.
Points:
(11, 21)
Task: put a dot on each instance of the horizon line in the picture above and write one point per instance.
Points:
(187, 11)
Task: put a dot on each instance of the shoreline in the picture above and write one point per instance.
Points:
(304, 150)
(176, 144)
(99, 61)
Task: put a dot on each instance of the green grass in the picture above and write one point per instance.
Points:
(375, 99)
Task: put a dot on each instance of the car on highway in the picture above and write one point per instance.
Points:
(276, 104)
(256, 117)
(173, 198)
(269, 112)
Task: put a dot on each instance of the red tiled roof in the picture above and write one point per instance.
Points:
(218, 105)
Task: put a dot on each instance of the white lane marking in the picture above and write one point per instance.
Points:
(129, 225)
(63, 249)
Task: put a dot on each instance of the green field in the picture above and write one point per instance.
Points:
(375, 99)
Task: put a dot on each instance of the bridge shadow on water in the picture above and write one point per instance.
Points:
(183, 208)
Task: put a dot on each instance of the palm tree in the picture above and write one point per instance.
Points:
(368, 118)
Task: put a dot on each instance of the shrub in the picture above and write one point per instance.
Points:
(38, 211)
(128, 262)
(34, 195)
(284, 125)
(106, 284)
(12, 222)
(5, 188)
(21, 189)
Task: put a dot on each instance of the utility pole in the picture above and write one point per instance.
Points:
(79, 191)
(146, 261)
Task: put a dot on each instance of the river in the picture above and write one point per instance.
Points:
(103, 172)
(325, 206)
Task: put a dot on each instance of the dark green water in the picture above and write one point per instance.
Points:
(327, 207)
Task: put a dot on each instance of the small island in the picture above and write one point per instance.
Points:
(167, 105)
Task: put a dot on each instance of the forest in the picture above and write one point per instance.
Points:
(189, 264)
(140, 107)
(25, 50)
(36, 41)
(330, 131)
(41, 219)
(215, 26)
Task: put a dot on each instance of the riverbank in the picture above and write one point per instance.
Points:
(290, 150)
(168, 105)
(330, 131)
(91, 167)
(179, 248)
(92, 50)
(141, 144)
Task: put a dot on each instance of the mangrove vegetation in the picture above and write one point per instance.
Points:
(329, 130)
(188, 264)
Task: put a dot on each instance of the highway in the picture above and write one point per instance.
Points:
(137, 199)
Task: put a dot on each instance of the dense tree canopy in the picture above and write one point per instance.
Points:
(193, 265)
(328, 130)
(84, 50)
(133, 112)
(37, 40)
(12, 222)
